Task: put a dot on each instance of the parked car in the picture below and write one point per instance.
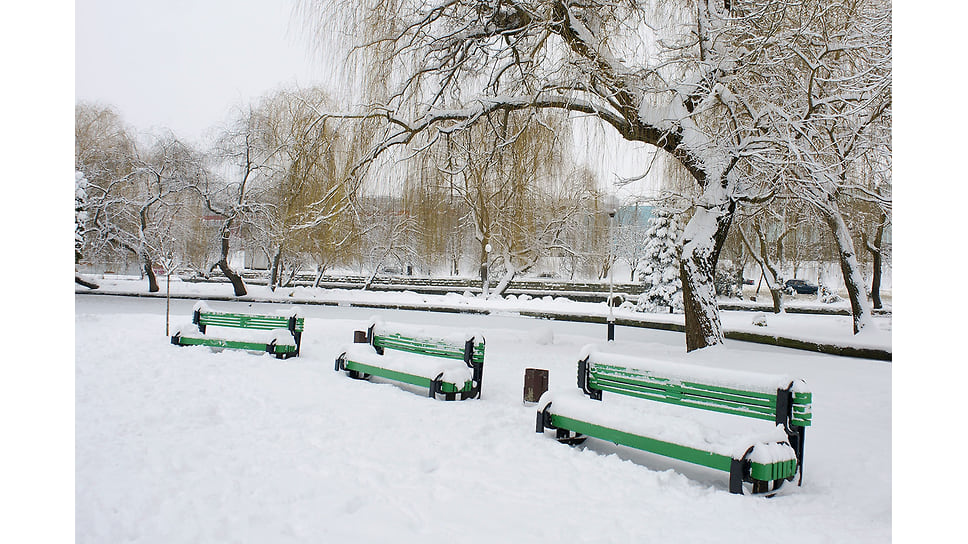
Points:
(801, 286)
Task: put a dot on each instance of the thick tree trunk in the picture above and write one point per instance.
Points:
(223, 264)
(853, 278)
(148, 268)
(876, 282)
(703, 239)
(502, 287)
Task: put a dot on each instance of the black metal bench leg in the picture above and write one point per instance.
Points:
(736, 476)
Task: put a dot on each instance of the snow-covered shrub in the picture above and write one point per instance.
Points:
(759, 319)
(660, 269)
(729, 280)
(827, 296)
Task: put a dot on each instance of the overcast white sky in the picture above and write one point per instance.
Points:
(185, 64)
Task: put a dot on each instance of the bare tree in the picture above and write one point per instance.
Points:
(658, 74)
(133, 196)
(241, 202)
(830, 106)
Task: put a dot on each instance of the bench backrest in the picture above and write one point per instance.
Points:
(471, 351)
(771, 398)
(204, 318)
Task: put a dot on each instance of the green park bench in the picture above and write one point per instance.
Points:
(279, 335)
(758, 456)
(441, 361)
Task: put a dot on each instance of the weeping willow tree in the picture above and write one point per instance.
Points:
(504, 174)
(311, 219)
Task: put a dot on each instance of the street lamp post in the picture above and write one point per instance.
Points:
(485, 280)
(611, 207)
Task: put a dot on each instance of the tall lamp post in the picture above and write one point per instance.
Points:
(611, 207)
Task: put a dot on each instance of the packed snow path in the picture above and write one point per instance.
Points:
(187, 445)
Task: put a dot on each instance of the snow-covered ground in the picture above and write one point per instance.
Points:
(189, 445)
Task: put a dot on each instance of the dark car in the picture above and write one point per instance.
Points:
(801, 286)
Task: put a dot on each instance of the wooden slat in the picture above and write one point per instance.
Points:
(643, 384)
(429, 347)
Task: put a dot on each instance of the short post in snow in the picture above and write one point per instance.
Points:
(535, 385)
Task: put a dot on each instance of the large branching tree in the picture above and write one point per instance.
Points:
(656, 72)
(828, 105)
(240, 201)
(135, 197)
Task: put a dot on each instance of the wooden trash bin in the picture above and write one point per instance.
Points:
(535, 384)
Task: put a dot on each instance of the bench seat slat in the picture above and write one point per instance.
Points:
(412, 379)
(235, 344)
(776, 470)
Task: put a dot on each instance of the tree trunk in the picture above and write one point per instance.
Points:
(767, 269)
(223, 264)
(877, 252)
(81, 281)
(876, 281)
(703, 239)
(505, 282)
(319, 276)
(853, 278)
(274, 276)
(146, 265)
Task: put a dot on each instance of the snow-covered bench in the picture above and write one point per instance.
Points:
(279, 334)
(445, 362)
(752, 452)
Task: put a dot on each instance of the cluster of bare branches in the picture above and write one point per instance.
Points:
(752, 99)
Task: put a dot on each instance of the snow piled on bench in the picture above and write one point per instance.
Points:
(450, 335)
(282, 337)
(454, 371)
(682, 372)
(716, 433)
